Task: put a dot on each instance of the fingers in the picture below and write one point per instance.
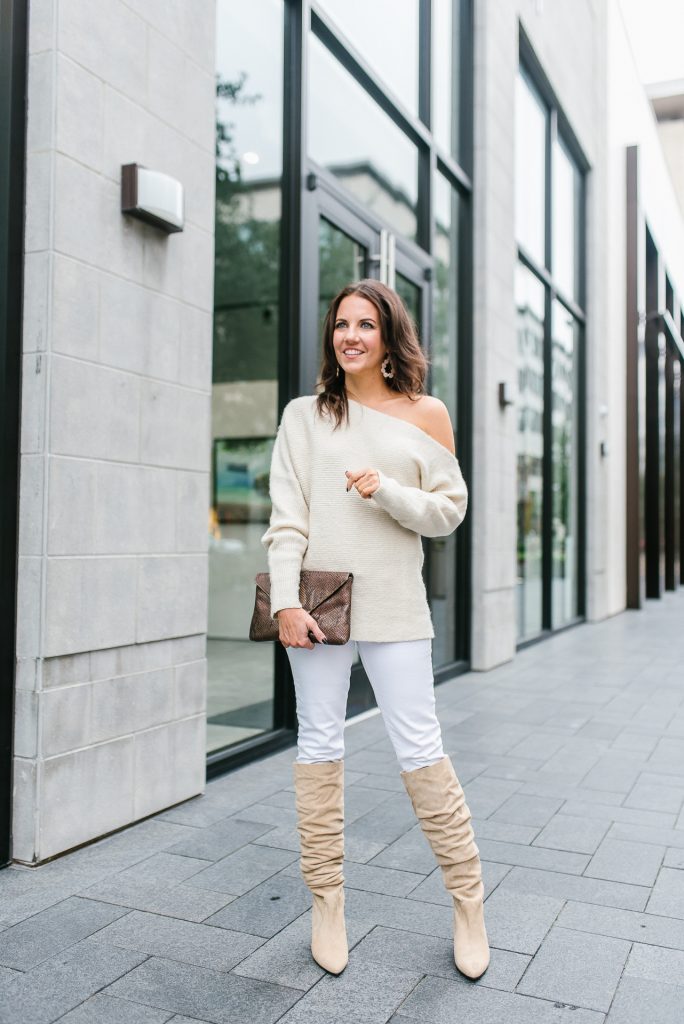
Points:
(302, 640)
(365, 481)
(353, 475)
(301, 630)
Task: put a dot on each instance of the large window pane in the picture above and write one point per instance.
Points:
(342, 260)
(566, 222)
(444, 356)
(445, 319)
(530, 165)
(249, 114)
(385, 33)
(565, 446)
(351, 136)
(548, 538)
(411, 295)
(446, 74)
(530, 450)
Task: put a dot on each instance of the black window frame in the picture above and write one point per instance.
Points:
(301, 18)
(651, 499)
(13, 108)
(431, 158)
(558, 127)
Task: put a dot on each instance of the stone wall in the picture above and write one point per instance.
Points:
(115, 432)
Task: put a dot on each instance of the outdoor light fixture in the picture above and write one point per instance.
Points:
(152, 196)
(604, 447)
(504, 395)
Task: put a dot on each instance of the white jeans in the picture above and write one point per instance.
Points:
(400, 673)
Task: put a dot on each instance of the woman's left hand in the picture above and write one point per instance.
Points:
(366, 481)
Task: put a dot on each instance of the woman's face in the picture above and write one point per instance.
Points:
(357, 330)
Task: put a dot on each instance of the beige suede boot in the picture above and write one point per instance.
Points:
(319, 798)
(439, 803)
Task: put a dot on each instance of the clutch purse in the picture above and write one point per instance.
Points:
(326, 596)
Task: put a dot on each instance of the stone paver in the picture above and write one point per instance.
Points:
(564, 968)
(572, 761)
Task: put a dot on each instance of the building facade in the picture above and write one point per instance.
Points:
(479, 157)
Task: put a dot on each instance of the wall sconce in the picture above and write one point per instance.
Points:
(152, 196)
(504, 395)
(604, 447)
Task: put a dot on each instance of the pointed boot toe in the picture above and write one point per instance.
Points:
(319, 798)
(471, 947)
(328, 931)
(440, 805)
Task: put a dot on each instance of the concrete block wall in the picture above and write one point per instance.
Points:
(569, 40)
(115, 433)
(671, 134)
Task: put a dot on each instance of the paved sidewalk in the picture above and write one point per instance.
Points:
(572, 760)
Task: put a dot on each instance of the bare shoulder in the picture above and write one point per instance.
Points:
(434, 418)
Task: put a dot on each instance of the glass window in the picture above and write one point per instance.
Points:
(446, 75)
(548, 538)
(566, 222)
(442, 551)
(249, 115)
(410, 294)
(358, 143)
(530, 451)
(530, 170)
(385, 34)
(565, 446)
(445, 307)
(342, 259)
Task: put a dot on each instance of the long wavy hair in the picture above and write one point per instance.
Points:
(400, 337)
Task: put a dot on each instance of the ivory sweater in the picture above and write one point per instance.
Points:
(316, 524)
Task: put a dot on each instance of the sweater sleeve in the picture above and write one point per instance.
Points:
(287, 536)
(433, 512)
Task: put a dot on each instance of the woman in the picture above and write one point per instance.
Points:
(359, 472)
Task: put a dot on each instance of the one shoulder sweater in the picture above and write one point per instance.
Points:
(317, 524)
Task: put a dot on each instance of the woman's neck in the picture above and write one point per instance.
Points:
(373, 396)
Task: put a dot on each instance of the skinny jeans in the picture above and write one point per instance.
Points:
(400, 673)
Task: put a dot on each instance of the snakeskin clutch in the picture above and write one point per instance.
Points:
(326, 596)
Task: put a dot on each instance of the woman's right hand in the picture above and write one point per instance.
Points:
(293, 628)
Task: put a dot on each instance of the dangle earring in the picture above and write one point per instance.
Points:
(387, 372)
(337, 371)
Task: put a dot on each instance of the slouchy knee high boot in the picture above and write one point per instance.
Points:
(439, 803)
(319, 797)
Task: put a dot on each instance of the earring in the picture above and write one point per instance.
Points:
(385, 371)
(337, 371)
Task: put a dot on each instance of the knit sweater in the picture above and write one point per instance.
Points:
(316, 524)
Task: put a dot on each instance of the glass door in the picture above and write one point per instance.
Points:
(345, 253)
(343, 245)
(245, 710)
